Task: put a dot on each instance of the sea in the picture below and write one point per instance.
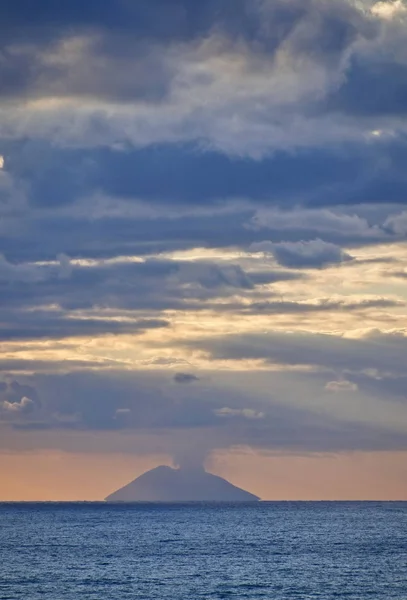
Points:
(273, 550)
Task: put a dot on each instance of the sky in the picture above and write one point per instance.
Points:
(203, 259)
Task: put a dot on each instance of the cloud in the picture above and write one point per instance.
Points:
(122, 414)
(185, 378)
(316, 306)
(214, 276)
(341, 386)
(69, 299)
(229, 412)
(17, 396)
(376, 350)
(265, 70)
(311, 220)
(52, 365)
(58, 325)
(177, 175)
(246, 413)
(32, 272)
(25, 405)
(309, 254)
(389, 10)
(397, 223)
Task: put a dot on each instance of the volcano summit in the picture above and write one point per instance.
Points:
(165, 484)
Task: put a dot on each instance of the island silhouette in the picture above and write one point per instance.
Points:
(166, 484)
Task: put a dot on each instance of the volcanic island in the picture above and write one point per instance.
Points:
(166, 484)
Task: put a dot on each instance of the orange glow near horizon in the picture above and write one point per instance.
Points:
(58, 476)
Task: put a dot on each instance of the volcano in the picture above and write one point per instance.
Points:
(165, 484)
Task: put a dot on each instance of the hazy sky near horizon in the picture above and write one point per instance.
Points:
(203, 221)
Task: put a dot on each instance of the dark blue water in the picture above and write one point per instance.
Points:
(267, 550)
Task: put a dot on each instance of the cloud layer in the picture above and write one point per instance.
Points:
(203, 223)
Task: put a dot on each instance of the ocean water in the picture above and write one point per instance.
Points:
(275, 550)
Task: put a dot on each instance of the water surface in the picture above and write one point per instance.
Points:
(274, 550)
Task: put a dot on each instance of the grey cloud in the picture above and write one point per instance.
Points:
(324, 220)
(221, 416)
(224, 123)
(85, 297)
(305, 254)
(343, 385)
(147, 19)
(32, 273)
(267, 277)
(214, 276)
(122, 412)
(31, 426)
(399, 274)
(21, 365)
(385, 71)
(185, 378)
(378, 351)
(108, 49)
(397, 223)
(297, 57)
(325, 305)
(150, 286)
(245, 413)
(181, 190)
(58, 324)
(84, 65)
(386, 386)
